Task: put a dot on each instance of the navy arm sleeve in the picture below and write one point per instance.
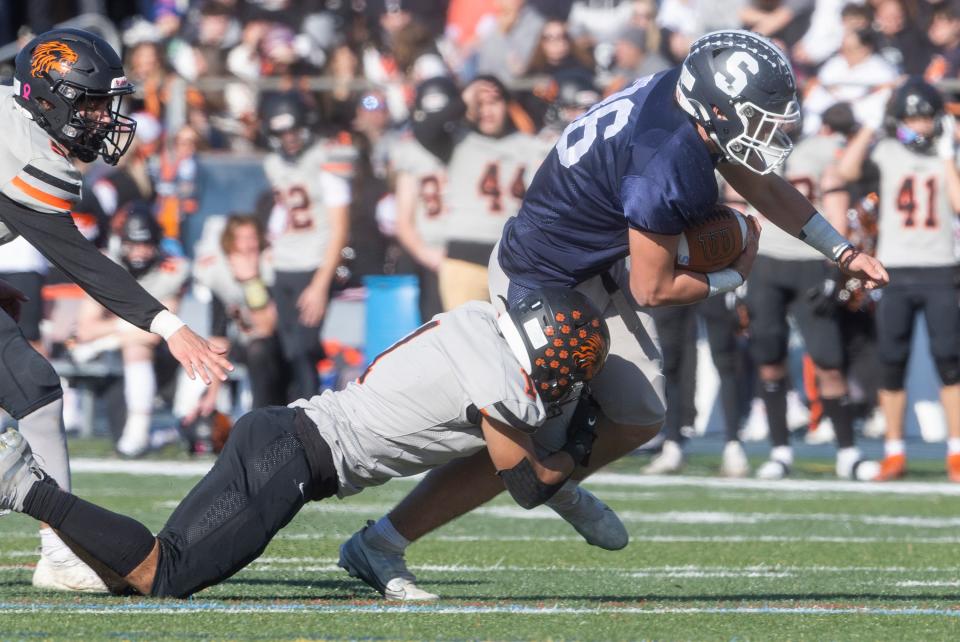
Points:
(57, 238)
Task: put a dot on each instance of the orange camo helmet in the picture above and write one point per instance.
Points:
(560, 339)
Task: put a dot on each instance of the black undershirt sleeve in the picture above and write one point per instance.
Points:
(57, 238)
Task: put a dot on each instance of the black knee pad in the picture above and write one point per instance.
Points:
(949, 370)
(27, 380)
(893, 375)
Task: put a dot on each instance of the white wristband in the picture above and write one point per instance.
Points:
(166, 323)
(726, 280)
(823, 237)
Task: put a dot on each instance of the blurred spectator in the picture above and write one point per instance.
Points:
(632, 59)
(902, 43)
(147, 70)
(856, 74)
(431, 14)
(575, 95)
(132, 179)
(100, 331)
(686, 20)
(343, 67)
(506, 49)
(178, 188)
(825, 34)
(210, 32)
(599, 21)
(415, 54)
(556, 52)
(944, 34)
(236, 268)
(784, 20)
(371, 122)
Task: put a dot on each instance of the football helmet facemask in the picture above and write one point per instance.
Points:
(560, 340)
(72, 83)
(915, 98)
(740, 88)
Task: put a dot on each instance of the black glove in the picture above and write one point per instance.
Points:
(582, 429)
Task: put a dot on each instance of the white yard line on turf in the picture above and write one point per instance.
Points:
(660, 539)
(193, 468)
(183, 608)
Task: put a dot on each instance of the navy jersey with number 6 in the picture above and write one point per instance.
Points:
(634, 160)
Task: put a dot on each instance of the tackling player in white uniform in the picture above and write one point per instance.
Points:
(468, 380)
(919, 201)
(64, 104)
(308, 229)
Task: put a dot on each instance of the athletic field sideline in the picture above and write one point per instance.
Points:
(810, 558)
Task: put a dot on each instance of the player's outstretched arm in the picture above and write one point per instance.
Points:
(530, 480)
(58, 239)
(789, 210)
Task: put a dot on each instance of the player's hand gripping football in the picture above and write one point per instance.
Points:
(10, 300)
(867, 269)
(744, 262)
(199, 356)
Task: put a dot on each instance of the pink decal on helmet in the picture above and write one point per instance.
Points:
(25, 91)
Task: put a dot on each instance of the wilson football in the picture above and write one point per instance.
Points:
(714, 244)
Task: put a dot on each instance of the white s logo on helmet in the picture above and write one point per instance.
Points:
(735, 80)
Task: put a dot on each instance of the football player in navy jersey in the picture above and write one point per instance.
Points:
(623, 182)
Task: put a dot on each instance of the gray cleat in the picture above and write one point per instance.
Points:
(382, 570)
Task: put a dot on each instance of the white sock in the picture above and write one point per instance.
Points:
(894, 447)
(44, 431)
(953, 445)
(847, 457)
(139, 386)
(53, 548)
(386, 537)
(783, 454)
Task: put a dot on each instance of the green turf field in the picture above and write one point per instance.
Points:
(806, 560)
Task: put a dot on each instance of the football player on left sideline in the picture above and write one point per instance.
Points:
(64, 105)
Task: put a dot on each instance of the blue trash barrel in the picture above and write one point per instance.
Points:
(393, 311)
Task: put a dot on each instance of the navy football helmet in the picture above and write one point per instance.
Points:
(740, 88)
(915, 98)
(64, 78)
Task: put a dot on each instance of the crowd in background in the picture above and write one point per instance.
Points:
(208, 71)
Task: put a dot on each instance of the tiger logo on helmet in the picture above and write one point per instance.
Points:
(54, 55)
